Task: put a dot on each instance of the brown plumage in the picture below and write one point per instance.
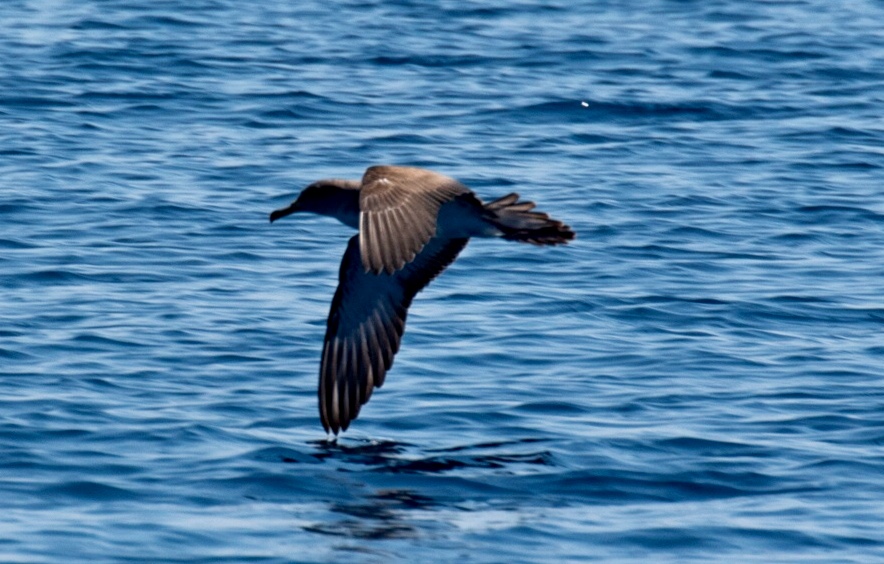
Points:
(412, 224)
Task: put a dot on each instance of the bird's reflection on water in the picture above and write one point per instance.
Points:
(389, 485)
(381, 514)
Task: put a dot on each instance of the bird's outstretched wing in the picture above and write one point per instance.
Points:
(365, 326)
(398, 209)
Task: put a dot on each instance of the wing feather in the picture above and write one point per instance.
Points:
(398, 207)
(365, 326)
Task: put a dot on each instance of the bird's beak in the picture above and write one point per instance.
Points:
(282, 212)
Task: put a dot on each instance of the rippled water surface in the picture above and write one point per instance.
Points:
(700, 376)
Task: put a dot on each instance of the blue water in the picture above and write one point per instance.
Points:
(698, 377)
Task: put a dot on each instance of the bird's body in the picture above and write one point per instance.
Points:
(412, 224)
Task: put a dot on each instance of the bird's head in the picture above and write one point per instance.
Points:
(322, 197)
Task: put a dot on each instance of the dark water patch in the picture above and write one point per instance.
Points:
(140, 96)
(444, 61)
(656, 299)
(366, 452)
(790, 299)
(710, 447)
(551, 407)
(404, 138)
(489, 445)
(823, 423)
(13, 354)
(165, 21)
(593, 139)
(726, 53)
(283, 114)
(835, 214)
(102, 341)
(853, 133)
(613, 111)
(287, 95)
(723, 538)
(16, 244)
(728, 74)
(99, 25)
(852, 468)
(35, 102)
(286, 455)
(443, 464)
(365, 530)
(88, 491)
(55, 276)
(629, 487)
(18, 152)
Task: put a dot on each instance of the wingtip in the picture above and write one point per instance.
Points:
(329, 429)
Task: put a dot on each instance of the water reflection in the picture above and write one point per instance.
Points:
(381, 515)
(370, 509)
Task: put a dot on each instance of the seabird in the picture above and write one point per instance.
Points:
(412, 224)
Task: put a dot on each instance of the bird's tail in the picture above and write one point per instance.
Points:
(518, 223)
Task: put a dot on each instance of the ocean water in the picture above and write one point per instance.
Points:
(698, 377)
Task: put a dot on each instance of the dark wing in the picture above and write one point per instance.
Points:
(365, 325)
(398, 208)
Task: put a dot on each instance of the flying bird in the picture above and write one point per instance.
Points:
(412, 224)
